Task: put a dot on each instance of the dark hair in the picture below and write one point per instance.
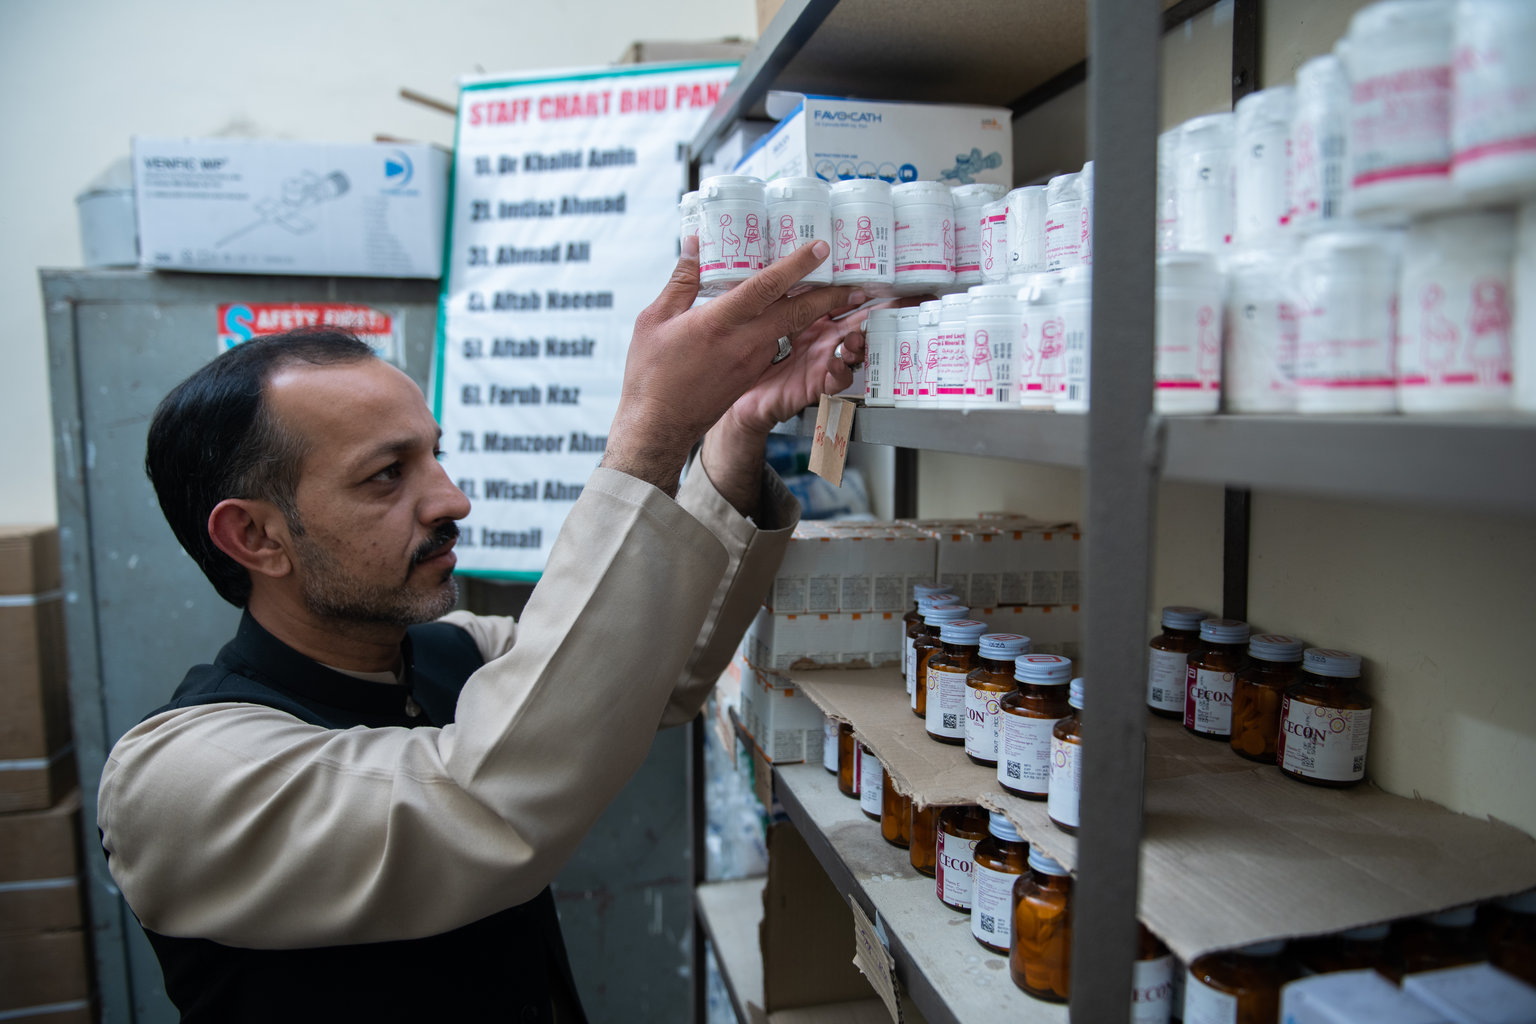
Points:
(214, 437)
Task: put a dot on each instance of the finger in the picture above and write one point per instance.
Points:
(682, 288)
(747, 300)
(855, 348)
(792, 315)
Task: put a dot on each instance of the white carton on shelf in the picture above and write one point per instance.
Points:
(1351, 997)
(783, 641)
(780, 718)
(234, 206)
(834, 567)
(997, 562)
(836, 139)
(1475, 994)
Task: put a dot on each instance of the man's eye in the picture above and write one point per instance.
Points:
(389, 472)
(438, 454)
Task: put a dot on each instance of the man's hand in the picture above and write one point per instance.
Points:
(687, 366)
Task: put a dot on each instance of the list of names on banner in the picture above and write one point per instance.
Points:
(563, 228)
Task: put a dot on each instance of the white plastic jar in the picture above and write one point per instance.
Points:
(1261, 203)
(1074, 305)
(992, 322)
(1204, 183)
(923, 236)
(1346, 283)
(1319, 143)
(1168, 191)
(732, 214)
(1525, 309)
(1026, 232)
(1187, 364)
(903, 367)
(799, 213)
(1064, 222)
(925, 358)
(688, 215)
(1259, 357)
(1085, 185)
(1040, 339)
(1493, 114)
(1454, 324)
(994, 241)
(862, 225)
(969, 201)
(880, 351)
(948, 367)
(1398, 53)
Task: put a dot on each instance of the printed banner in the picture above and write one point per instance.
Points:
(564, 227)
(381, 329)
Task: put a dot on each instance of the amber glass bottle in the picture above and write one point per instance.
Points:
(1168, 660)
(1152, 980)
(1325, 721)
(1274, 664)
(961, 827)
(924, 844)
(1509, 933)
(871, 775)
(1040, 955)
(1210, 676)
(923, 648)
(1241, 986)
(848, 766)
(1026, 718)
(913, 628)
(829, 745)
(1357, 949)
(948, 669)
(989, 682)
(1066, 782)
(1000, 859)
(1448, 939)
(895, 814)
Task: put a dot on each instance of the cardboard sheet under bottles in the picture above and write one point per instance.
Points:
(1232, 852)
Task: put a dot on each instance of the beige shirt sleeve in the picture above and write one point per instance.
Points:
(242, 824)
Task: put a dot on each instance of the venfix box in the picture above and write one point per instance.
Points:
(835, 139)
(240, 206)
(36, 760)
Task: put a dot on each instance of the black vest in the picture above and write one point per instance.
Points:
(504, 967)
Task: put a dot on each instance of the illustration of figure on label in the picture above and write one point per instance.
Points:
(904, 369)
(730, 241)
(1026, 357)
(289, 209)
(788, 240)
(931, 364)
(843, 245)
(754, 251)
(1208, 359)
(1085, 236)
(1303, 170)
(986, 244)
(949, 245)
(981, 373)
(1490, 332)
(864, 244)
(1437, 334)
(1052, 353)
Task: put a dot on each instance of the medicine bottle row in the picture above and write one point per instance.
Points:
(1270, 697)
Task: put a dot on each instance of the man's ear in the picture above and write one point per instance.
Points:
(253, 533)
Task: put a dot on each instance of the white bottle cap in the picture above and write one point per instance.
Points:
(1224, 631)
(1075, 693)
(1209, 130)
(1267, 106)
(1418, 18)
(977, 194)
(1275, 647)
(1322, 661)
(1074, 284)
(922, 192)
(689, 203)
(880, 320)
(941, 613)
(1004, 646)
(993, 299)
(930, 587)
(1188, 270)
(1178, 616)
(1042, 669)
(1063, 187)
(861, 190)
(961, 631)
(784, 190)
(1261, 948)
(906, 318)
(953, 306)
(1457, 917)
(732, 186)
(1321, 78)
(1000, 826)
(1370, 933)
(1046, 865)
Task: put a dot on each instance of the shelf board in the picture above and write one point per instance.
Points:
(947, 974)
(1233, 852)
(731, 913)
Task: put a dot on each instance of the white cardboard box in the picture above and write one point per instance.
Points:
(1351, 997)
(1475, 994)
(786, 726)
(263, 207)
(836, 139)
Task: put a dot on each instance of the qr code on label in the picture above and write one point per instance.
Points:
(988, 924)
(1359, 765)
(951, 721)
(1014, 769)
(1157, 694)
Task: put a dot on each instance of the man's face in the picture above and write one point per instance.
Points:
(376, 511)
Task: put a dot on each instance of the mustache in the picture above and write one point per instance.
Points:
(443, 534)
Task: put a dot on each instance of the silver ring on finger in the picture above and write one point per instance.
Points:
(785, 348)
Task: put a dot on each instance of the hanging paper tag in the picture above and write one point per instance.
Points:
(872, 957)
(829, 448)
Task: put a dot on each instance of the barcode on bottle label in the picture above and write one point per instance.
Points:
(1013, 769)
(988, 923)
(951, 722)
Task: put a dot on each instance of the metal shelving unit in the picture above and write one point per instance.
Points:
(1016, 53)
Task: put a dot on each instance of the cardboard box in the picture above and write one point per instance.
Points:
(780, 642)
(36, 759)
(1009, 563)
(733, 147)
(831, 567)
(1351, 997)
(779, 717)
(233, 206)
(836, 139)
(1475, 994)
(44, 976)
(40, 868)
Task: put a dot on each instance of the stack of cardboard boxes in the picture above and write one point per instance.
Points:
(45, 975)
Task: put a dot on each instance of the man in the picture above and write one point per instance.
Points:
(355, 812)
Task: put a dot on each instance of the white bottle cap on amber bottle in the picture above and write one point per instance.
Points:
(1224, 631)
(1075, 693)
(1042, 669)
(1046, 865)
(1003, 646)
(1275, 647)
(966, 632)
(1000, 826)
(1321, 661)
(1179, 616)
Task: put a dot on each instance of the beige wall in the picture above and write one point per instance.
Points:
(80, 77)
(1440, 604)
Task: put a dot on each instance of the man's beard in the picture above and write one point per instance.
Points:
(330, 593)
